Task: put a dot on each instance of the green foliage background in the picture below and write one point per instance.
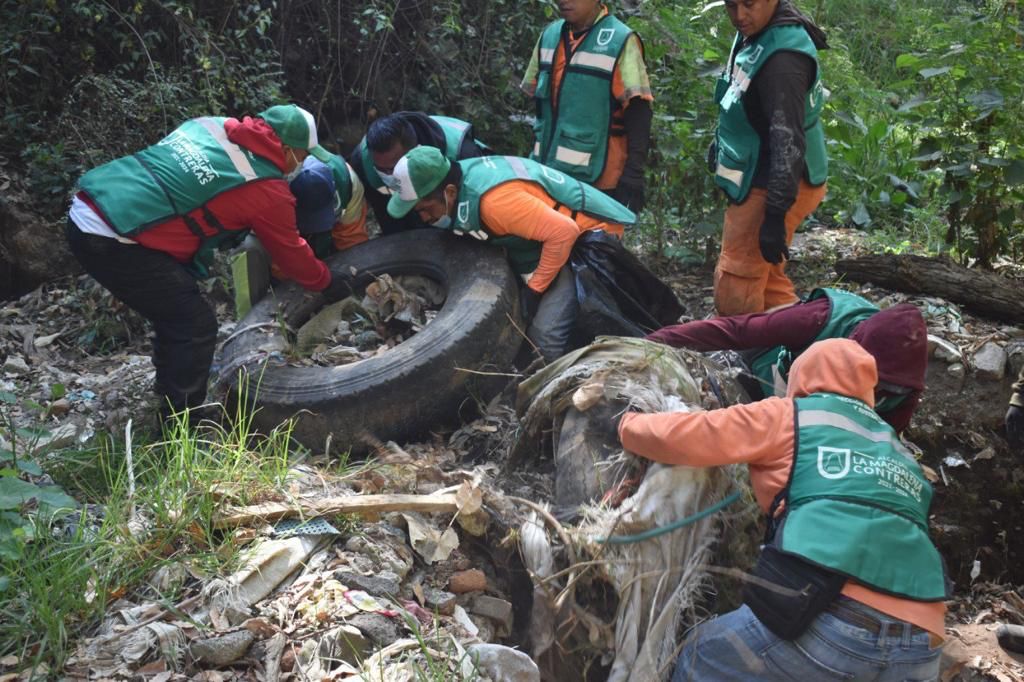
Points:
(924, 119)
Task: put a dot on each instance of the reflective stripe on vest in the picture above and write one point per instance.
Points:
(571, 134)
(234, 152)
(342, 183)
(481, 175)
(857, 501)
(178, 175)
(738, 144)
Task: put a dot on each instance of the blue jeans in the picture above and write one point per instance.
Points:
(552, 325)
(736, 646)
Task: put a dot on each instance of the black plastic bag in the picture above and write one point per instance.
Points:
(617, 295)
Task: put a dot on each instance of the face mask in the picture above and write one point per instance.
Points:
(445, 221)
(389, 181)
(294, 173)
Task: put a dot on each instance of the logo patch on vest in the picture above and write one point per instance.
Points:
(816, 93)
(462, 212)
(833, 463)
(605, 35)
(190, 157)
(756, 54)
(553, 175)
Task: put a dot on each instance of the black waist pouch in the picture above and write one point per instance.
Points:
(807, 591)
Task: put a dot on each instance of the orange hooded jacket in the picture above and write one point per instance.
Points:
(762, 436)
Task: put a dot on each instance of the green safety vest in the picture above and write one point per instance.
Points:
(857, 501)
(481, 175)
(846, 311)
(455, 134)
(737, 142)
(573, 136)
(179, 174)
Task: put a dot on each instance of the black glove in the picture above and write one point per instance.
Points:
(773, 238)
(713, 156)
(529, 301)
(630, 195)
(1015, 426)
(339, 288)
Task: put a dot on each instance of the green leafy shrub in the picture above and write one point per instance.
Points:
(685, 53)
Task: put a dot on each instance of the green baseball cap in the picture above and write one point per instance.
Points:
(296, 127)
(416, 175)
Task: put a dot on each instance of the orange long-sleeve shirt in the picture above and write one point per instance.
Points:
(522, 208)
(762, 436)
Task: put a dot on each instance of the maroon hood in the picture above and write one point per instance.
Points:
(898, 339)
(258, 137)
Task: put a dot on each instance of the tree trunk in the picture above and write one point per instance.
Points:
(984, 293)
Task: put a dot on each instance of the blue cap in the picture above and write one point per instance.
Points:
(315, 197)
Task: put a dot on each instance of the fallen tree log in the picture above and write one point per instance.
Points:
(984, 293)
(348, 504)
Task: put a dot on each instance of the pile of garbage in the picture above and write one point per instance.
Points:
(419, 563)
(322, 596)
(390, 311)
(626, 566)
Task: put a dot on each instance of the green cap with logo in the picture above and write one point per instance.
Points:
(296, 127)
(416, 175)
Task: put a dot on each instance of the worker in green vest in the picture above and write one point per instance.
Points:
(389, 138)
(850, 584)
(896, 337)
(534, 212)
(330, 213)
(593, 100)
(145, 227)
(768, 155)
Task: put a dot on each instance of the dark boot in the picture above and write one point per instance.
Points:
(1011, 638)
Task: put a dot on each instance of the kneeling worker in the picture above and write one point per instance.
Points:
(534, 212)
(862, 584)
(388, 139)
(330, 214)
(896, 337)
(330, 207)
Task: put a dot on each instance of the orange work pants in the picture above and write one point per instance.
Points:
(744, 281)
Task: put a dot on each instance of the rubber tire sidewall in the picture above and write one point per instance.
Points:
(414, 388)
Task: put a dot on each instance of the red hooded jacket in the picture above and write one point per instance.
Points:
(267, 207)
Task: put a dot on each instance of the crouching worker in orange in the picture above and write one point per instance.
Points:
(847, 539)
(534, 212)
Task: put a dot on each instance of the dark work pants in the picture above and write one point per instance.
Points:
(159, 288)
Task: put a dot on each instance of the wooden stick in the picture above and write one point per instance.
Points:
(982, 292)
(272, 660)
(348, 504)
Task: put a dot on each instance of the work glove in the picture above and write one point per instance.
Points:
(630, 194)
(339, 288)
(529, 301)
(1015, 426)
(773, 238)
(712, 158)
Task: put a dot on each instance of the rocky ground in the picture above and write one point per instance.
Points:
(410, 589)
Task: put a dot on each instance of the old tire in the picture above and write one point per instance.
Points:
(418, 386)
